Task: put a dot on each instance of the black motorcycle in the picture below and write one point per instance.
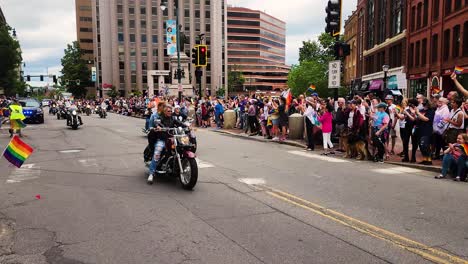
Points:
(62, 113)
(191, 134)
(74, 120)
(53, 109)
(101, 112)
(88, 110)
(177, 160)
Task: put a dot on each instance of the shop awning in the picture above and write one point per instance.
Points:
(375, 85)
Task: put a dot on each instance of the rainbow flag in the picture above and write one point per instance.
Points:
(17, 124)
(458, 70)
(465, 148)
(17, 152)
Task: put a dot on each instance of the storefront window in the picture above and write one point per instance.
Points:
(418, 86)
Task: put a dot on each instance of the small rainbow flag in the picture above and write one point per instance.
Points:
(398, 109)
(17, 152)
(465, 148)
(17, 124)
(311, 88)
(458, 70)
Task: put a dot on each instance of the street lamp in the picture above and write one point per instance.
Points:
(385, 69)
(163, 6)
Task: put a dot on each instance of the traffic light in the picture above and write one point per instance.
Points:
(333, 18)
(42, 78)
(28, 78)
(55, 79)
(202, 55)
(195, 56)
(342, 49)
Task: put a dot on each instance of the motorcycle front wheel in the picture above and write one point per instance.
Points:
(189, 176)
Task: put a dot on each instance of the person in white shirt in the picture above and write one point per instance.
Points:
(393, 121)
(310, 119)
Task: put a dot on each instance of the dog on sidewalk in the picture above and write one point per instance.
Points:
(355, 147)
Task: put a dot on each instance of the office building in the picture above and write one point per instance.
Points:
(256, 47)
(350, 37)
(129, 40)
(437, 42)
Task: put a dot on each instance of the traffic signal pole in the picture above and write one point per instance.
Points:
(179, 71)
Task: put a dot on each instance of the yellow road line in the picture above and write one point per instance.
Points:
(427, 252)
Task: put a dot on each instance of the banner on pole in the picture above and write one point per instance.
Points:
(171, 37)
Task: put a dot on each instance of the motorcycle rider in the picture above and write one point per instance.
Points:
(178, 114)
(157, 138)
(72, 108)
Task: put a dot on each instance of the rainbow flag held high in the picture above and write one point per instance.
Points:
(17, 152)
(17, 124)
(311, 88)
(458, 70)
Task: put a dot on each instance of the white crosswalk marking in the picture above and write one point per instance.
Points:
(253, 181)
(203, 164)
(396, 170)
(25, 173)
(88, 162)
(318, 157)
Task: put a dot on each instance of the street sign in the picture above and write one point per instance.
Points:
(334, 74)
(93, 74)
(181, 89)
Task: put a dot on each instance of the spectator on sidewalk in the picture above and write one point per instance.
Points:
(326, 119)
(406, 121)
(340, 121)
(380, 131)
(456, 121)
(458, 85)
(455, 156)
(393, 121)
(218, 112)
(283, 118)
(440, 125)
(252, 118)
(310, 121)
(425, 120)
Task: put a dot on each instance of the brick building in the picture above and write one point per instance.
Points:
(381, 40)
(437, 42)
(350, 37)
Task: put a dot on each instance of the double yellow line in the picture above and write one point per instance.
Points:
(427, 252)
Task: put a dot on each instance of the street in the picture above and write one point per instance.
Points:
(82, 197)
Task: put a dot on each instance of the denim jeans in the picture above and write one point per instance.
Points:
(449, 162)
(147, 123)
(158, 149)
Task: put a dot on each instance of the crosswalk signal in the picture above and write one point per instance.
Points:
(333, 18)
(202, 55)
(195, 56)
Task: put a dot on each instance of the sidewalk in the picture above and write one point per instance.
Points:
(394, 159)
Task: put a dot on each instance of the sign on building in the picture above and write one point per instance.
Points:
(334, 74)
(171, 37)
(93, 74)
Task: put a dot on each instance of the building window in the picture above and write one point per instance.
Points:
(456, 41)
(424, 52)
(155, 53)
(143, 10)
(435, 48)
(86, 19)
(145, 79)
(144, 66)
(119, 9)
(155, 38)
(465, 39)
(131, 10)
(382, 22)
(413, 18)
(132, 52)
(133, 66)
(426, 12)
(121, 65)
(397, 15)
(417, 53)
(411, 56)
(120, 22)
(154, 11)
(448, 7)
(446, 48)
(85, 8)
(143, 38)
(144, 52)
(419, 16)
(86, 30)
(132, 23)
(132, 37)
(133, 79)
(143, 24)
(121, 37)
(458, 5)
(435, 10)
(122, 79)
(370, 24)
(86, 40)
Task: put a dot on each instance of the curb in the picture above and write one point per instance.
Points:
(300, 145)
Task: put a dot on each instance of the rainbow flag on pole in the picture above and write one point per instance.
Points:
(17, 152)
(458, 70)
(17, 124)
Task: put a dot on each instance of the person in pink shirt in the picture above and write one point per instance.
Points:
(326, 119)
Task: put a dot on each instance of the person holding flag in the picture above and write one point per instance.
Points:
(16, 118)
(458, 71)
(455, 156)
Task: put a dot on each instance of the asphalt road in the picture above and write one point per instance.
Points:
(254, 203)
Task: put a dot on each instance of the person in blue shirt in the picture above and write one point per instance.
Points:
(219, 111)
(380, 131)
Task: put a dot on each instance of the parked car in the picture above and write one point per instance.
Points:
(46, 102)
(32, 110)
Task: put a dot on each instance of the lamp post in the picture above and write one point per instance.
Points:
(385, 69)
(164, 5)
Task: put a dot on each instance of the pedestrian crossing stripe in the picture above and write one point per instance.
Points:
(203, 164)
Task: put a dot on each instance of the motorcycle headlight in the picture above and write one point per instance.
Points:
(74, 112)
(185, 140)
(39, 110)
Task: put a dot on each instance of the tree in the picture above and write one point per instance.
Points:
(10, 62)
(236, 79)
(74, 69)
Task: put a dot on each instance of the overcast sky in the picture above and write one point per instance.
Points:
(44, 27)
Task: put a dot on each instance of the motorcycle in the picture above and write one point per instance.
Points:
(177, 160)
(74, 120)
(88, 110)
(101, 112)
(53, 109)
(191, 134)
(62, 113)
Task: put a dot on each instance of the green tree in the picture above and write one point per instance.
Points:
(236, 79)
(10, 62)
(75, 68)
